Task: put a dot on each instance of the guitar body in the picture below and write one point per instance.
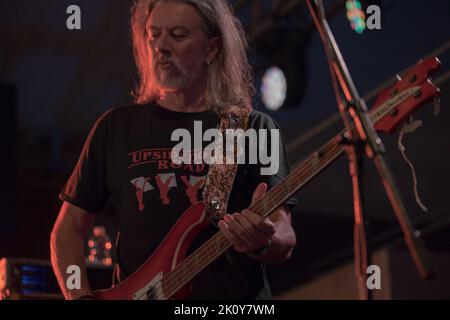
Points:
(170, 252)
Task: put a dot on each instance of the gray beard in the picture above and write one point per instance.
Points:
(177, 79)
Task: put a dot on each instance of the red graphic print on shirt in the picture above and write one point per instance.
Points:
(142, 185)
(164, 183)
(192, 187)
(159, 159)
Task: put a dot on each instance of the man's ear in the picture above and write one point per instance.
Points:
(213, 49)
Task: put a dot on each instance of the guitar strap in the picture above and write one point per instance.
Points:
(222, 170)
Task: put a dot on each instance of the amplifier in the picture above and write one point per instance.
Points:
(33, 279)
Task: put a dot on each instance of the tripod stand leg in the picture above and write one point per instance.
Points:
(361, 261)
(413, 238)
(361, 254)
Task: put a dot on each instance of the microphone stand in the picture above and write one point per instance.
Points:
(361, 136)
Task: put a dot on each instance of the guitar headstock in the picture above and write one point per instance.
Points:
(393, 105)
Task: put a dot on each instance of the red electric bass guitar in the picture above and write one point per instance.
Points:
(168, 272)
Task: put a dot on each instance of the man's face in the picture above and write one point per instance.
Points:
(178, 45)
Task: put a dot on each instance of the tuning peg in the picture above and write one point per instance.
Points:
(412, 125)
(436, 106)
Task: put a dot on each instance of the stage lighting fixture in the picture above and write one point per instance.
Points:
(274, 88)
(356, 15)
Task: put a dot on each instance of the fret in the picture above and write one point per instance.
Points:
(287, 186)
(182, 276)
(224, 243)
(217, 245)
(211, 255)
(264, 206)
(177, 282)
(259, 207)
(190, 265)
(208, 254)
(196, 263)
(220, 244)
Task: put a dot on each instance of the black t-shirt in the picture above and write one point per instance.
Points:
(126, 159)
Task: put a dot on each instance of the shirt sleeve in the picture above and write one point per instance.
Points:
(275, 168)
(86, 187)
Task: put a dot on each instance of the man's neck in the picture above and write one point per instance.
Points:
(188, 100)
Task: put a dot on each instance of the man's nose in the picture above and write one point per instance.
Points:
(163, 46)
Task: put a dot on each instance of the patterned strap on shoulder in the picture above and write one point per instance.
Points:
(221, 173)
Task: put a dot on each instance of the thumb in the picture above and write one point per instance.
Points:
(260, 191)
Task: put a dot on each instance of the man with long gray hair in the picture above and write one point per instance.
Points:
(191, 58)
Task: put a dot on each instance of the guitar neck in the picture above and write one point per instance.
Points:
(187, 269)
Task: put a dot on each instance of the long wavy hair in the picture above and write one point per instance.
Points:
(229, 76)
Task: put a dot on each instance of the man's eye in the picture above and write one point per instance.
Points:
(179, 36)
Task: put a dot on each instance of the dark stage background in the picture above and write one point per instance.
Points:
(55, 82)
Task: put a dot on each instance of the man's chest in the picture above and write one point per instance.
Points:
(146, 171)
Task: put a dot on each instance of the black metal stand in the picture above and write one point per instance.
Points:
(362, 136)
(354, 149)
